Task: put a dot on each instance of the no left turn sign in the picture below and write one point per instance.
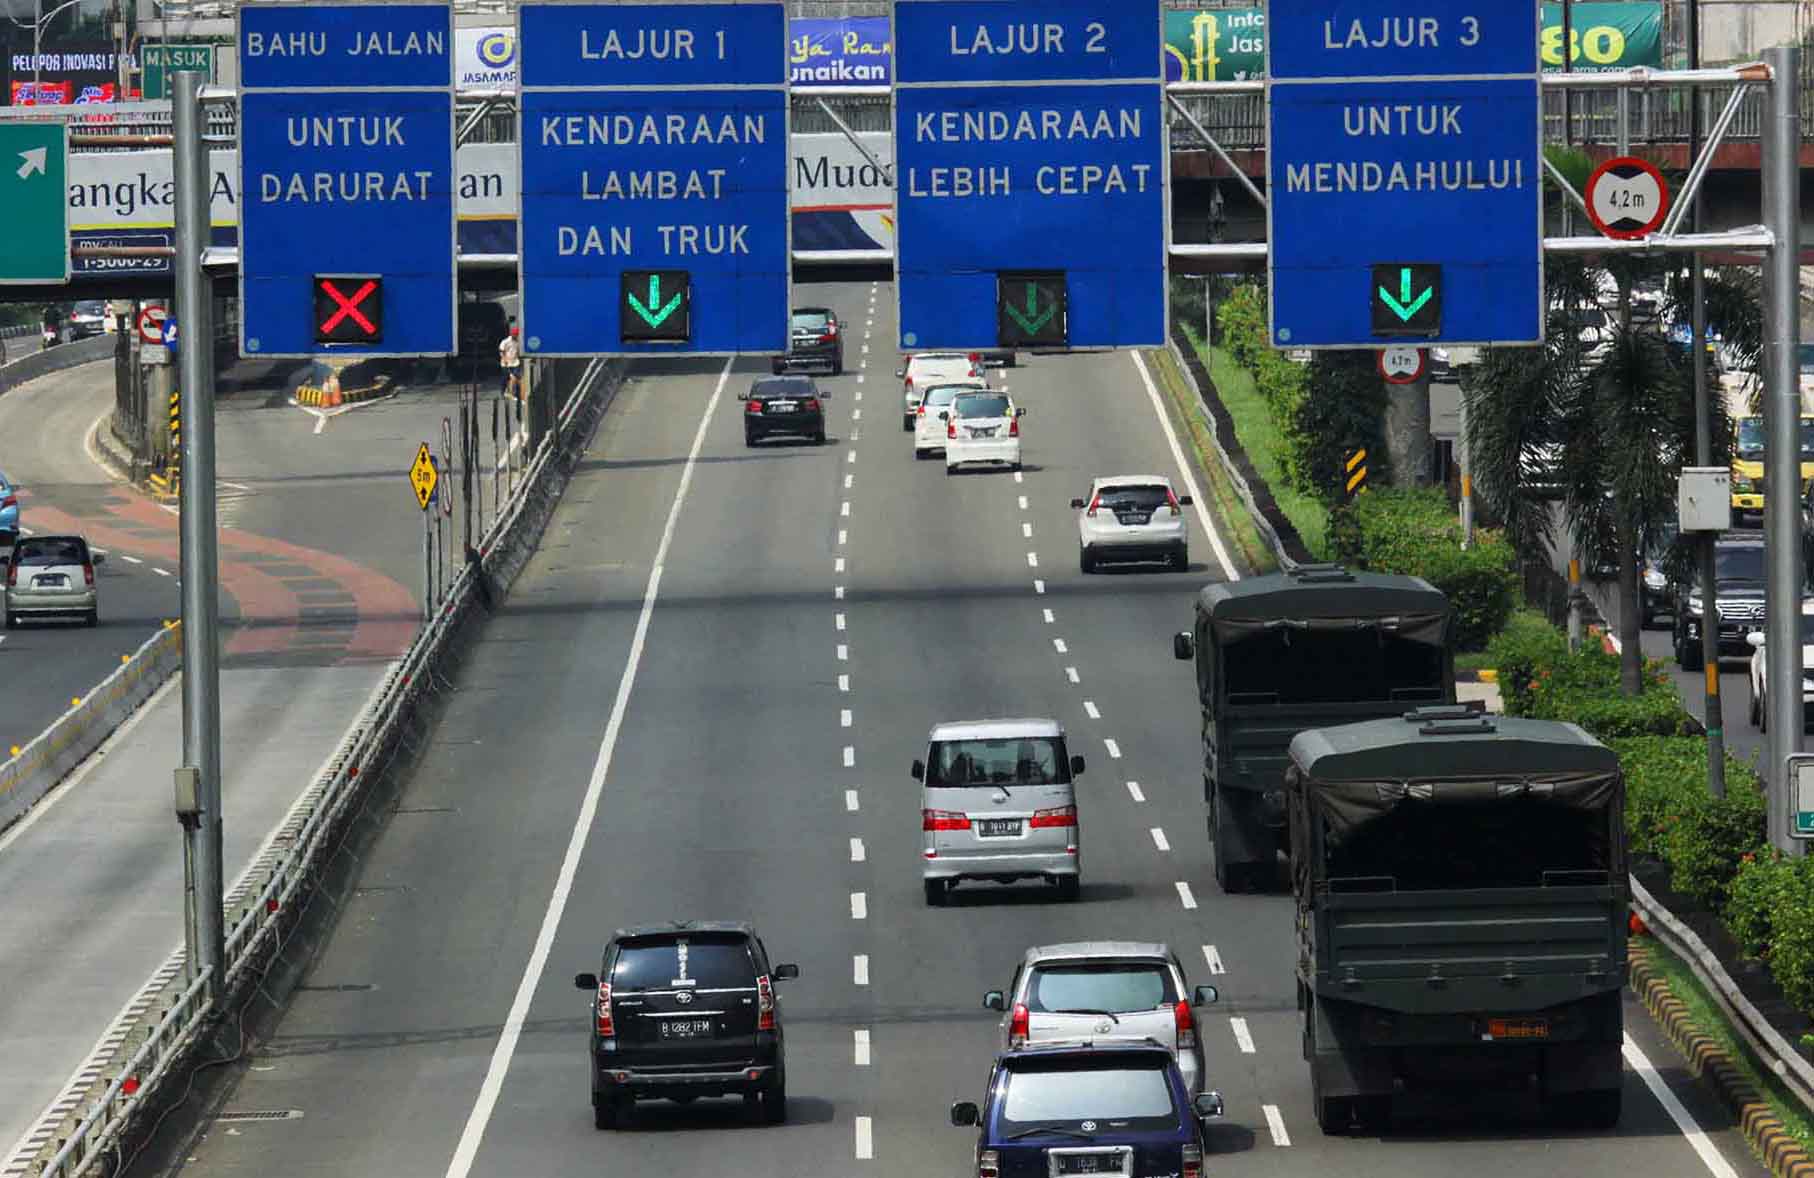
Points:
(1626, 197)
(1401, 364)
(151, 324)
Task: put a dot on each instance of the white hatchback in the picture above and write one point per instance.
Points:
(983, 426)
(1132, 517)
(927, 369)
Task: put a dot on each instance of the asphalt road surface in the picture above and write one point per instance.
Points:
(701, 701)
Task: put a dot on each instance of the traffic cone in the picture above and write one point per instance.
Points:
(331, 389)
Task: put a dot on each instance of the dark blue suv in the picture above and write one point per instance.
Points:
(1102, 1107)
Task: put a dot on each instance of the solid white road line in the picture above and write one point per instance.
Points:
(859, 906)
(844, 717)
(1243, 1037)
(865, 1140)
(1275, 1124)
(1184, 896)
(1089, 709)
(468, 1148)
(859, 969)
(850, 800)
(1213, 959)
(1049, 618)
(1158, 834)
(843, 653)
(1684, 1120)
(850, 756)
(1071, 674)
(843, 682)
(1184, 470)
(1114, 749)
(1039, 586)
(861, 1045)
(857, 853)
(1058, 645)
(1133, 788)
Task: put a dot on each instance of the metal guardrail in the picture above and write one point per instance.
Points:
(151, 1040)
(32, 365)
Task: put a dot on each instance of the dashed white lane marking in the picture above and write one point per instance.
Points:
(859, 969)
(1039, 586)
(859, 393)
(843, 653)
(473, 1134)
(1017, 477)
(1114, 749)
(849, 479)
(859, 381)
(851, 456)
(1243, 1037)
(1684, 1120)
(865, 1140)
(850, 756)
(844, 508)
(840, 621)
(843, 536)
(1275, 1124)
(861, 1038)
(837, 592)
(843, 682)
(1133, 787)
(1089, 709)
(844, 717)
(1023, 502)
(1049, 618)
(856, 850)
(1032, 560)
(1213, 959)
(850, 800)
(859, 906)
(856, 415)
(1059, 646)
(866, 349)
(1071, 674)
(131, 559)
(1184, 896)
(1026, 531)
(1158, 834)
(837, 565)
(161, 572)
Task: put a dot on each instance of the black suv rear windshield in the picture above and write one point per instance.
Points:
(709, 961)
(1017, 760)
(1116, 1092)
(1116, 986)
(50, 550)
(812, 319)
(1738, 563)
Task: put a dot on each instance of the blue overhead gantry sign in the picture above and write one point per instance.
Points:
(654, 178)
(346, 164)
(1030, 174)
(1404, 192)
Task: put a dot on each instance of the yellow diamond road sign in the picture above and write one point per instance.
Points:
(422, 476)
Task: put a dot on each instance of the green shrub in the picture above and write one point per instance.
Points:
(1413, 531)
(1527, 644)
(1669, 814)
(1342, 409)
(1771, 915)
(1242, 318)
(1704, 844)
(1280, 382)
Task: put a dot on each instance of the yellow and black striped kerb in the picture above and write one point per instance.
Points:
(1355, 473)
(176, 437)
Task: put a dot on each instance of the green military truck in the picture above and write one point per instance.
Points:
(1461, 912)
(1315, 646)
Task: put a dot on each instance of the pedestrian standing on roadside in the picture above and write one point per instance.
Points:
(510, 361)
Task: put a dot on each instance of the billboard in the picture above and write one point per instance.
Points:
(839, 51)
(1229, 44)
(69, 72)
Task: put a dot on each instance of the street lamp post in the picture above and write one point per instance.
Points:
(37, 44)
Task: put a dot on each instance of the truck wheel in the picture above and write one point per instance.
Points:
(1333, 1115)
(609, 1112)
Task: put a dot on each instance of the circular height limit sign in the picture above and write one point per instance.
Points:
(1626, 197)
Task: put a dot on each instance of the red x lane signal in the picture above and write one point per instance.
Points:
(349, 309)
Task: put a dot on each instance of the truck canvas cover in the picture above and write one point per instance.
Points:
(1327, 598)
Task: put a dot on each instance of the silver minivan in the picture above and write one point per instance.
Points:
(51, 577)
(997, 803)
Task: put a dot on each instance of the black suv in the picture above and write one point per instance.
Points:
(683, 1010)
(778, 405)
(1739, 570)
(813, 337)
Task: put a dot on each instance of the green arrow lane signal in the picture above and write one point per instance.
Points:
(1034, 319)
(1406, 299)
(1404, 306)
(650, 315)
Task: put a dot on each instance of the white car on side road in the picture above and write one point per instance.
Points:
(1759, 677)
(920, 372)
(983, 426)
(1132, 517)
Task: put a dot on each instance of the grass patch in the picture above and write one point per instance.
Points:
(1706, 1017)
(1264, 444)
(1472, 660)
(1252, 549)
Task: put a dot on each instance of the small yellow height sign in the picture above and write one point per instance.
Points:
(423, 476)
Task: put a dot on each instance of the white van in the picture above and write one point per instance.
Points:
(997, 803)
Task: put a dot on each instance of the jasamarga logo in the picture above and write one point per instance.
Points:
(496, 51)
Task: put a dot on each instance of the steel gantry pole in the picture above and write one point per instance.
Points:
(200, 564)
(1782, 420)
